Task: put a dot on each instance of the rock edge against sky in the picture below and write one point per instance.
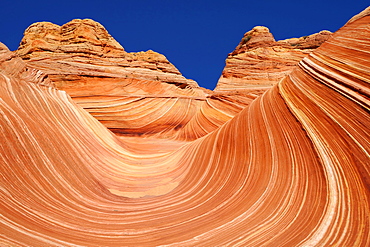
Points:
(100, 147)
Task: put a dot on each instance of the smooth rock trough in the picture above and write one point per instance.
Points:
(101, 147)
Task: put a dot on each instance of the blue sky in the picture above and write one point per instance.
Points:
(194, 35)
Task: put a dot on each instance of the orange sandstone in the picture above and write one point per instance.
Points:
(287, 168)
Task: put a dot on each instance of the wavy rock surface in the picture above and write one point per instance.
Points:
(290, 169)
(82, 59)
(133, 94)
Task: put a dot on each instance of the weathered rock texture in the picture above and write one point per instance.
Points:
(260, 62)
(82, 59)
(289, 169)
(87, 42)
(117, 87)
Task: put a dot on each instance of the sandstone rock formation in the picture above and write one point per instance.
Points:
(82, 59)
(260, 62)
(288, 168)
(116, 87)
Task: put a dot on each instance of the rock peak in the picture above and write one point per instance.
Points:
(80, 41)
(260, 61)
(84, 35)
(79, 30)
(259, 36)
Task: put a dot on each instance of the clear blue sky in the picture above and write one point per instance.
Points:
(194, 35)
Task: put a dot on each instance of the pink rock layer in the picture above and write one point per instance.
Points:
(289, 169)
(134, 94)
(82, 59)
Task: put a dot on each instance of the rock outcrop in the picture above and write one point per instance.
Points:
(82, 59)
(65, 47)
(289, 168)
(260, 62)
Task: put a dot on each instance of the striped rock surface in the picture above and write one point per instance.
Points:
(129, 93)
(260, 62)
(289, 169)
(133, 94)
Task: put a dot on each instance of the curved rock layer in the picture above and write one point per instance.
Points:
(82, 59)
(140, 94)
(133, 94)
(290, 169)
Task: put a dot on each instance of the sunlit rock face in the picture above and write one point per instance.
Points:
(290, 168)
(114, 86)
(137, 94)
(260, 62)
(133, 94)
